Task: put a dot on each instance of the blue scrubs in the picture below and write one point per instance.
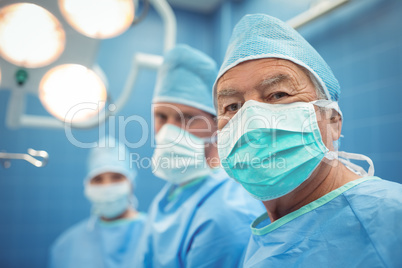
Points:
(357, 225)
(108, 244)
(203, 224)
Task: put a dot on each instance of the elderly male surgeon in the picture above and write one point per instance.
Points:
(111, 235)
(201, 217)
(279, 122)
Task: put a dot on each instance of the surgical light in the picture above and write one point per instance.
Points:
(98, 18)
(72, 93)
(30, 36)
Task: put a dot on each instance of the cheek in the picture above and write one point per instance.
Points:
(157, 126)
(202, 128)
(222, 123)
(223, 120)
(326, 132)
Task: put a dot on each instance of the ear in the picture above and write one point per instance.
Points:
(336, 125)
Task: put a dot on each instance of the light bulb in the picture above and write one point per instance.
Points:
(30, 36)
(72, 93)
(98, 18)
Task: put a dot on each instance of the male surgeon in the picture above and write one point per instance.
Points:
(201, 217)
(279, 121)
(111, 235)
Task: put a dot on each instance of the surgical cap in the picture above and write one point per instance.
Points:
(260, 36)
(110, 155)
(186, 77)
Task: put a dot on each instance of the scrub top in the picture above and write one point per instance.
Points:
(205, 223)
(98, 244)
(356, 225)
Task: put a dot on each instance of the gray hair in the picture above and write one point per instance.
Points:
(317, 86)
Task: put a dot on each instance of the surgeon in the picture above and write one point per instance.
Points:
(277, 103)
(201, 217)
(111, 235)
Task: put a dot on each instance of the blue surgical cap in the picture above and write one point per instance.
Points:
(260, 36)
(186, 77)
(110, 155)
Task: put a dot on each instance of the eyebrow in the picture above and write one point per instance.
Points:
(265, 84)
(227, 93)
(273, 81)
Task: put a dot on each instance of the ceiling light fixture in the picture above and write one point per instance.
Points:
(72, 93)
(98, 18)
(30, 36)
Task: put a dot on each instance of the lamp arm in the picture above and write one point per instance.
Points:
(169, 19)
(315, 12)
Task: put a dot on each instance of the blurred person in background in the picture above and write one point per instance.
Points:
(111, 235)
(201, 217)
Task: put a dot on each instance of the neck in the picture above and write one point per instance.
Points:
(329, 175)
(128, 214)
(211, 155)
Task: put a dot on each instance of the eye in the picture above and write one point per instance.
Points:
(233, 107)
(185, 119)
(160, 117)
(96, 180)
(188, 117)
(279, 95)
(117, 177)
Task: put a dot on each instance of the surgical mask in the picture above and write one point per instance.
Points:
(179, 156)
(109, 201)
(272, 148)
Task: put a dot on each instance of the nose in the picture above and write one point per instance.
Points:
(253, 95)
(169, 121)
(175, 121)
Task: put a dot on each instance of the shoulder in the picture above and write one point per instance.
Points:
(71, 234)
(232, 194)
(141, 219)
(161, 195)
(229, 202)
(224, 215)
(377, 205)
(376, 192)
(142, 216)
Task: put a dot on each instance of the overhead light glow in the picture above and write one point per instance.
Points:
(72, 93)
(30, 36)
(98, 18)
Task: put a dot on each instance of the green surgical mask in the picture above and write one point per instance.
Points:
(272, 148)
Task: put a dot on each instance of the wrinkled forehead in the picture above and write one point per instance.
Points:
(271, 65)
(297, 65)
(259, 73)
